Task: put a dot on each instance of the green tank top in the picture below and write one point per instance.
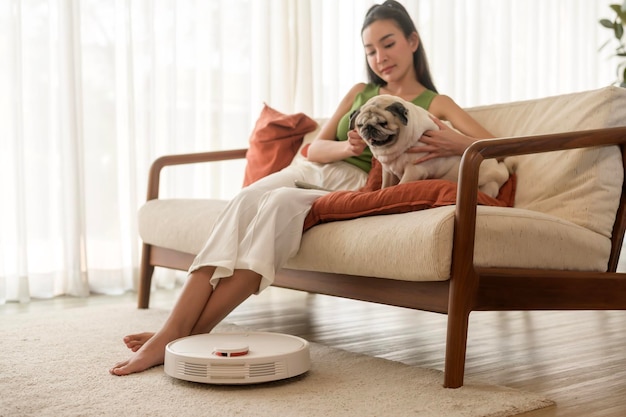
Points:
(364, 161)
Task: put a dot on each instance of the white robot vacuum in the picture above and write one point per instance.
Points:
(237, 358)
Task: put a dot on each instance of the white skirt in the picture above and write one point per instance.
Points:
(261, 228)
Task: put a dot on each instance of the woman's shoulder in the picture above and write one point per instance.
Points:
(442, 104)
(443, 99)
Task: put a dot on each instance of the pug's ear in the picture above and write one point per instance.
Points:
(401, 112)
(353, 116)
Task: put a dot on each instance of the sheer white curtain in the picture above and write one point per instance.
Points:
(93, 91)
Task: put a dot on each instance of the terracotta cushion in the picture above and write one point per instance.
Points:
(371, 200)
(274, 142)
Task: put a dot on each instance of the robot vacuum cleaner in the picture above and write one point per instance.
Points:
(237, 358)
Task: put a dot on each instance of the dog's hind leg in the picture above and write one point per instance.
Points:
(492, 176)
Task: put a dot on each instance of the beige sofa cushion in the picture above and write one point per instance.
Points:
(417, 246)
(412, 246)
(180, 224)
(595, 109)
(578, 185)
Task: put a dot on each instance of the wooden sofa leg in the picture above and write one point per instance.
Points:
(456, 345)
(145, 278)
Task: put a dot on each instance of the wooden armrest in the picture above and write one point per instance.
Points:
(465, 215)
(183, 159)
(498, 148)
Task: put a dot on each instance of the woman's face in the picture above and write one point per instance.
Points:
(389, 53)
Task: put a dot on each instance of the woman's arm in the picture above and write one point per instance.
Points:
(447, 141)
(325, 148)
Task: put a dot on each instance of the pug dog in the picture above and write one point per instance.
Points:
(391, 125)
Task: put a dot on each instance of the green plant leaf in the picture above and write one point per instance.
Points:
(606, 23)
(619, 30)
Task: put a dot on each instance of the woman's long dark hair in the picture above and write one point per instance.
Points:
(392, 10)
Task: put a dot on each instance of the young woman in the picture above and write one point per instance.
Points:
(261, 228)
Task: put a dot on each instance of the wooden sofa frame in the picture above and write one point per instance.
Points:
(470, 288)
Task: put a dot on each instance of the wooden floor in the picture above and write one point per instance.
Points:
(577, 359)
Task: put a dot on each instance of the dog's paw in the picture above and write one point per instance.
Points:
(492, 189)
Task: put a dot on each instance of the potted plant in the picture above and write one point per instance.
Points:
(616, 25)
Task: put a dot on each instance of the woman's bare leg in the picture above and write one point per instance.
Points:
(198, 309)
(228, 294)
(213, 312)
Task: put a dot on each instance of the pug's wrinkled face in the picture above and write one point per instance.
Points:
(379, 121)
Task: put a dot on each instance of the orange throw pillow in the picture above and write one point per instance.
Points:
(370, 200)
(274, 142)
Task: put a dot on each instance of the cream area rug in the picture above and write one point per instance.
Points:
(56, 364)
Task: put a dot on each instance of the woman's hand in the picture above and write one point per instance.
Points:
(441, 143)
(356, 144)
(326, 150)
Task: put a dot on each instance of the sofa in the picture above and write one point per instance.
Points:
(555, 244)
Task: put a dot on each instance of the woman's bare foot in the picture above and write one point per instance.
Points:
(135, 341)
(151, 353)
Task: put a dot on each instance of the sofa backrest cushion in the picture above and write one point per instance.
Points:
(582, 185)
(594, 109)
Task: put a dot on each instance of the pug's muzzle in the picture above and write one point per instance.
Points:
(379, 123)
(377, 133)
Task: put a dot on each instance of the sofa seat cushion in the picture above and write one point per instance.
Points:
(415, 246)
(180, 224)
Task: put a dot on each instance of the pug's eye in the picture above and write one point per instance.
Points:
(383, 124)
(359, 125)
